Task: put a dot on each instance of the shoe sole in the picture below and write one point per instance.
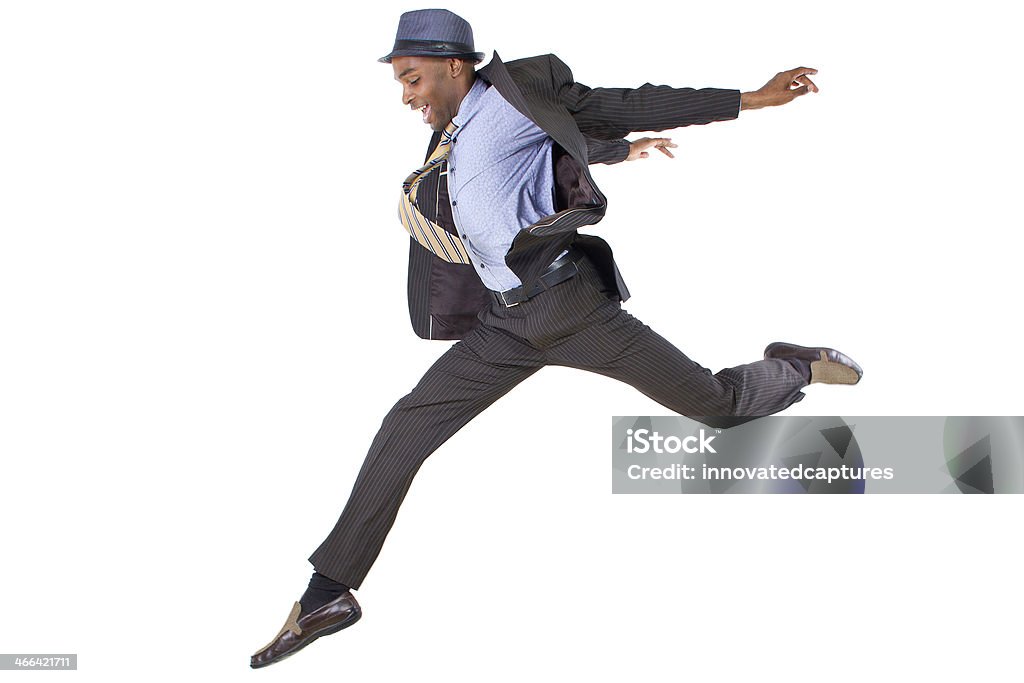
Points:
(325, 632)
(829, 372)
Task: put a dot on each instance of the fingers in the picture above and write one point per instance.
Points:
(806, 82)
(662, 145)
(799, 77)
(637, 148)
(800, 71)
(797, 92)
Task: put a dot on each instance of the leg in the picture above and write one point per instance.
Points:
(622, 347)
(469, 377)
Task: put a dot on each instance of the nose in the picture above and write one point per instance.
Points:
(406, 96)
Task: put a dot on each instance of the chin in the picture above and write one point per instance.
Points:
(437, 125)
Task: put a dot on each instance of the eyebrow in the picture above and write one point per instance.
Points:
(403, 74)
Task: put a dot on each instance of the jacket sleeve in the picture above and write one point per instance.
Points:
(612, 113)
(606, 151)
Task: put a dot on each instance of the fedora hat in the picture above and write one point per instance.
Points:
(433, 33)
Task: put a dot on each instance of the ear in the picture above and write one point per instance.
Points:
(455, 67)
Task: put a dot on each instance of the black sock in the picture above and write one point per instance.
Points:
(802, 366)
(320, 592)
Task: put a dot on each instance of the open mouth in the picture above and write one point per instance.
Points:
(425, 110)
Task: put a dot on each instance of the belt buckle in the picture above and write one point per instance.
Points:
(507, 304)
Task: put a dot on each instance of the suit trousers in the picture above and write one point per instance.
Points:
(577, 324)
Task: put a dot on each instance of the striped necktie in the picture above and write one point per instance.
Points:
(429, 234)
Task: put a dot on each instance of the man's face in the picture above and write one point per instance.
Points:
(430, 85)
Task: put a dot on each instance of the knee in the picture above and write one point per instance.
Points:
(722, 402)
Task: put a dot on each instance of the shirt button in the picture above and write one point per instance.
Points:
(482, 265)
(464, 236)
(455, 203)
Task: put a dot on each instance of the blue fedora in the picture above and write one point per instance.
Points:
(433, 33)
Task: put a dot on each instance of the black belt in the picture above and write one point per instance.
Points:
(560, 270)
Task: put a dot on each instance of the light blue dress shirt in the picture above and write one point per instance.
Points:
(500, 180)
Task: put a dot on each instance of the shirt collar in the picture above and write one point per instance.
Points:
(470, 103)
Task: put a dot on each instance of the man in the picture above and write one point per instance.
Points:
(496, 261)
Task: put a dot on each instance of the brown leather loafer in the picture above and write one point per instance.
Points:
(302, 629)
(828, 366)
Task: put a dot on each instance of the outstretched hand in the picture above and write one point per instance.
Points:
(638, 148)
(784, 87)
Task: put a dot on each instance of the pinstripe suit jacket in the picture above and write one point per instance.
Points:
(588, 126)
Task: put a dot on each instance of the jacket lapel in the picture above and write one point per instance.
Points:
(496, 73)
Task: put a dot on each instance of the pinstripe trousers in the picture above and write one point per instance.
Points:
(574, 324)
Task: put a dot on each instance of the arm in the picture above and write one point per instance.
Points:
(614, 151)
(609, 113)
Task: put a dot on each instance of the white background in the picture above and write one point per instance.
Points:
(202, 300)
